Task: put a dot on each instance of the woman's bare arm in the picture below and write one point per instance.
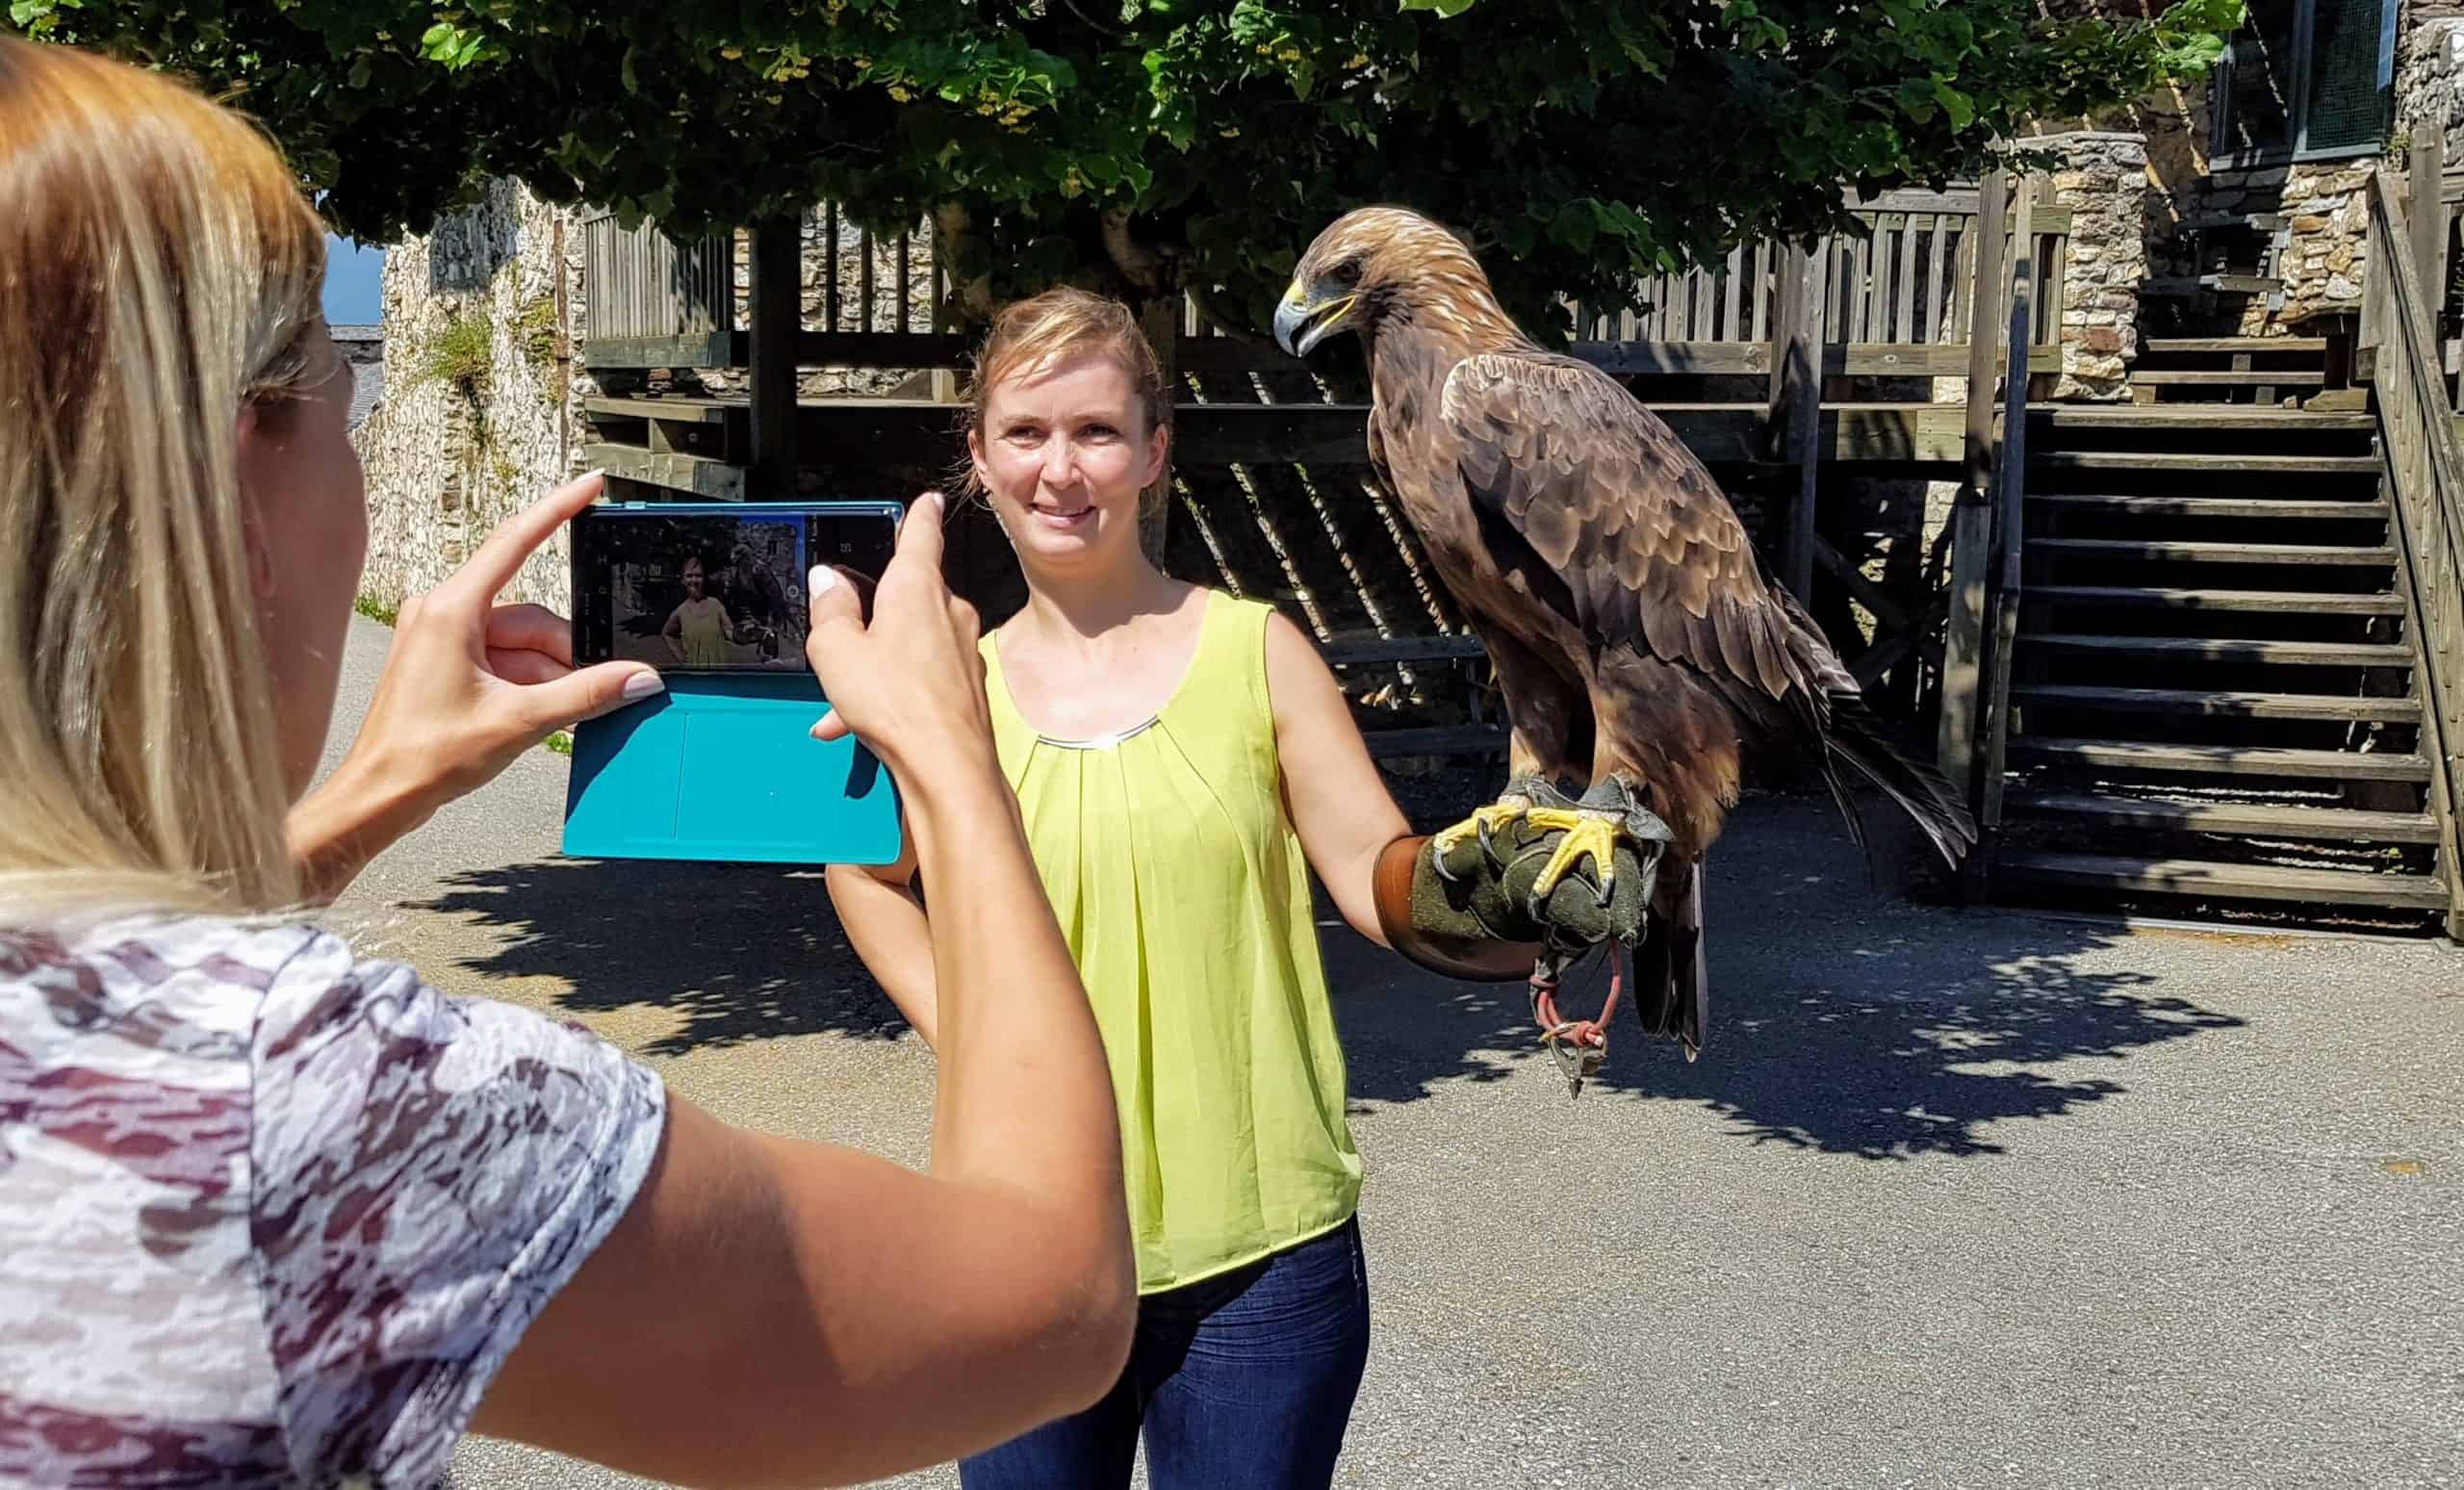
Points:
(1345, 817)
(888, 925)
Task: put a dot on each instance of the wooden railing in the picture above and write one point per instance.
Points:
(2010, 530)
(2424, 482)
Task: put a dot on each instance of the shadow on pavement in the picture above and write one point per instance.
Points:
(739, 952)
(1844, 1018)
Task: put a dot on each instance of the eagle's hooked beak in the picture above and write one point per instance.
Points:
(1299, 326)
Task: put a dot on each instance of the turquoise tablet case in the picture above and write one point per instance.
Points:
(724, 767)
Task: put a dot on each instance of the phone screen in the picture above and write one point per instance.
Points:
(702, 587)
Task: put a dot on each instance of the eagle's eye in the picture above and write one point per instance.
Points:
(1347, 273)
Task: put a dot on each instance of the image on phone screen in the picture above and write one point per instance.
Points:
(721, 593)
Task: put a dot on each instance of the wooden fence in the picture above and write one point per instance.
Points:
(1896, 301)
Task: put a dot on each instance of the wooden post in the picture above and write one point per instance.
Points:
(1972, 519)
(1161, 320)
(1787, 306)
(778, 324)
(2009, 495)
(1793, 432)
(2426, 216)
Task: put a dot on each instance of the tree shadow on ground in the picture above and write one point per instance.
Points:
(736, 951)
(1846, 1019)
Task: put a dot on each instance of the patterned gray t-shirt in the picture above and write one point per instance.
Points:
(273, 1216)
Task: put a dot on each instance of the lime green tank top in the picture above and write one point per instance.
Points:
(1180, 885)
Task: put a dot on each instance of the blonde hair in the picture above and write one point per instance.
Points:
(1031, 335)
(158, 271)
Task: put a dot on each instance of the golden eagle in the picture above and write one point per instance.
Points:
(1639, 647)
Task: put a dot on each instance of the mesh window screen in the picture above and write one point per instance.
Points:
(2346, 107)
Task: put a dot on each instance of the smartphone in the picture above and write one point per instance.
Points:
(714, 587)
(721, 764)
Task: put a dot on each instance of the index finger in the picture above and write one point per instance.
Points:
(493, 565)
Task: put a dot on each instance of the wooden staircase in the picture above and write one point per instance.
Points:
(2213, 707)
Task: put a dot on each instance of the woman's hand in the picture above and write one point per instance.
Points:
(909, 682)
(470, 684)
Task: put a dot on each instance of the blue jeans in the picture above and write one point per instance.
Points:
(1243, 1381)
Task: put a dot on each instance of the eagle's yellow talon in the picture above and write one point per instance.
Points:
(1587, 835)
(1490, 819)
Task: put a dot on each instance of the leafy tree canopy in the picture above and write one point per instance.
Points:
(1144, 143)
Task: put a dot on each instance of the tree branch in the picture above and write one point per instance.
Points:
(1151, 271)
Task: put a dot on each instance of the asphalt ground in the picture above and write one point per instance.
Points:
(1951, 1198)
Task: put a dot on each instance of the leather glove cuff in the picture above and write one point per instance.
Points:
(1434, 923)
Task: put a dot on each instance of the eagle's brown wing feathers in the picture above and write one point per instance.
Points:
(1649, 554)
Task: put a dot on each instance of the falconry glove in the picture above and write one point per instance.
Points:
(1436, 908)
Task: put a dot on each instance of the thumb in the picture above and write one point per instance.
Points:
(589, 692)
(834, 599)
(837, 618)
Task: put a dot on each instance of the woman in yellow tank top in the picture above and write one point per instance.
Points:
(1181, 761)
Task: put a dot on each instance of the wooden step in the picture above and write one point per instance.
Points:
(2280, 377)
(673, 411)
(2219, 705)
(2249, 819)
(2203, 460)
(2243, 882)
(2211, 552)
(2194, 418)
(2334, 765)
(2359, 510)
(2168, 286)
(2229, 649)
(2154, 597)
(2210, 346)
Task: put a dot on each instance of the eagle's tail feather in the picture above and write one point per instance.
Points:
(1857, 739)
(1842, 793)
(1670, 993)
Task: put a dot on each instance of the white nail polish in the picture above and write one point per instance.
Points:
(823, 579)
(641, 685)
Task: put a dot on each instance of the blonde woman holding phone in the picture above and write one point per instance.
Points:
(275, 1214)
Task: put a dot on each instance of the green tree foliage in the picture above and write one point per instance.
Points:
(1141, 144)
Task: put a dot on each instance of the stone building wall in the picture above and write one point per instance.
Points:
(2322, 249)
(482, 413)
(2325, 203)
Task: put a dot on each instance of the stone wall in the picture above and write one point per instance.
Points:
(481, 409)
(2103, 180)
(2429, 83)
(2325, 245)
